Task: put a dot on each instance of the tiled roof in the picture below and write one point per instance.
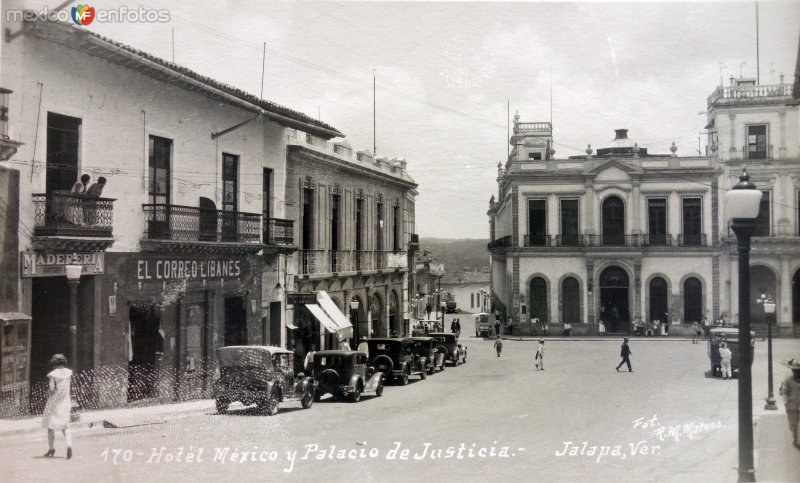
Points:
(125, 55)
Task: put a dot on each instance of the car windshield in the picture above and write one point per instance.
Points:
(331, 361)
(244, 357)
(283, 361)
(383, 346)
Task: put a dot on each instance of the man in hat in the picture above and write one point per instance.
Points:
(625, 353)
(790, 390)
(363, 346)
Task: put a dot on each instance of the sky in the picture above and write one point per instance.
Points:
(446, 72)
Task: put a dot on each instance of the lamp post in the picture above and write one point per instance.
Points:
(73, 279)
(743, 202)
(354, 316)
(768, 307)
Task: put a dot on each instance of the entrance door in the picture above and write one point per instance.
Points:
(275, 324)
(235, 321)
(49, 333)
(146, 342)
(614, 308)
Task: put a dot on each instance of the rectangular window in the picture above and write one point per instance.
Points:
(692, 222)
(160, 161)
(230, 182)
(763, 220)
(471, 300)
(379, 226)
(266, 204)
(308, 222)
(398, 232)
(570, 234)
(537, 223)
(63, 146)
(757, 142)
(359, 224)
(657, 221)
(535, 156)
(336, 215)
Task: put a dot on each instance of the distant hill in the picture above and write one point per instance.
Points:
(457, 255)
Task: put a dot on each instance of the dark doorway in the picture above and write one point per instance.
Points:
(658, 299)
(146, 343)
(63, 141)
(538, 293)
(208, 220)
(235, 321)
(614, 308)
(275, 324)
(49, 333)
(613, 221)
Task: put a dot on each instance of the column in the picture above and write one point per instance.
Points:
(781, 154)
(590, 312)
(634, 203)
(637, 290)
(732, 130)
(590, 223)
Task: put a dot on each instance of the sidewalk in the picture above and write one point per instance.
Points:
(775, 457)
(594, 338)
(118, 417)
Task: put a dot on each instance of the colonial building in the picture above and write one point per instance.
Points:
(177, 256)
(625, 236)
(355, 217)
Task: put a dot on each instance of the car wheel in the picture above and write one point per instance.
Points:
(271, 406)
(308, 399)
(404, 379)
(379, 389)
(222, 406)
(356, 395)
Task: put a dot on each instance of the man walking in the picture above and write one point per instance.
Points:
(498, 345)
(625, 353)
(790, 390)
(540, 355)
(725, 361)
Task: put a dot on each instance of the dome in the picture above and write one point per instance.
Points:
(621, 140)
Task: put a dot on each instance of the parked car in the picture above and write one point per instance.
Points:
(483, 324)
(448, 345)
(426, 356)
(261, 375)
(394, 358)
(345, 375)
(729, 335)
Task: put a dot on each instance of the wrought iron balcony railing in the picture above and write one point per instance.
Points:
(537, 240)
(191, 224)
(692, 240)
(569, 240)
(279, 232)
(66, 214)
(620, 240)
(657, 240)
(756, 152)
(313, 262)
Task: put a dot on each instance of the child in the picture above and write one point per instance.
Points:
(498, 345)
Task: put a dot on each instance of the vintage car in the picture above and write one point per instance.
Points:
(261, 375)
(394, 358)
(448, 345)
(425, 354)
(483, 324)
(345, 375)
(729, 335)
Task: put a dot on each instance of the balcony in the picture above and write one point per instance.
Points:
(316, 262)
(569, 241)
(620, 240)
(181, 228)
(698, 240)
(503, 242)
(657, 240)
(756, 152)
(278, 236)
(537, 240)
(750, 94)
(65, 221)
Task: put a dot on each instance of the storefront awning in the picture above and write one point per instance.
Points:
(323, 318)
(345, 327)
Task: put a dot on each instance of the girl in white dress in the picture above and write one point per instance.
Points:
(59, 404)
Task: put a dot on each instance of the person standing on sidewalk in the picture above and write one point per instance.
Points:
(790, 390)
(498, 345)
(601, 328)
(695, 332)
(540, 355)
(625, 353)
(59, 404)
(725, 361)
(308, 363)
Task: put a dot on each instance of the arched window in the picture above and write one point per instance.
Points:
(539, 299)
(570, 301)
(692, 300)
(613, 221)
(658, 299)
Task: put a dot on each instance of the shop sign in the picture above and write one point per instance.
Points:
(46, 264)
(301, 298)
(186, 269)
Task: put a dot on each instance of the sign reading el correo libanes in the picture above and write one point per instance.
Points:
(47, 264)
(192, 269)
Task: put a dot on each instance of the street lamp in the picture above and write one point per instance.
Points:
(743, 202)
(354, 316)
(768, 307)
(73, 279)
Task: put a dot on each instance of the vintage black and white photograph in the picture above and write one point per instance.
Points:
(393, 241)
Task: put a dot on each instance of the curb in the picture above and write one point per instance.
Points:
(526, 338)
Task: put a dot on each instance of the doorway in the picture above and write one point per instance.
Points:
(235, 321)
(49, 333)
(614, 307)
(147, 343)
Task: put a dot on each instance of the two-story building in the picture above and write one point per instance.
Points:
(356, 240)
(180, 252)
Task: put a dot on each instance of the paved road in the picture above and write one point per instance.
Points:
(506, 422)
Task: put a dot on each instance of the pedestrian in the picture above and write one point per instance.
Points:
(458, 327)
(790, 390)
(308, 364)
(705, 326)
(496, 327)
(540, 356)
(498, 345)
(363, 346)
(601, 328)
(625, 353)
(428, 309)
(567, 329)
(344, 345)
(59, 404)
(695, 332)
(725, 361)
